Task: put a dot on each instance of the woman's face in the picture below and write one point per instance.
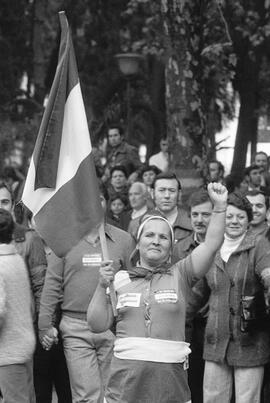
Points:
(117, 206)
(148, 177)
(155, 243)
(236, 222)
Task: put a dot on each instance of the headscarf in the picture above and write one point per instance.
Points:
(135, 256)
(155, 217)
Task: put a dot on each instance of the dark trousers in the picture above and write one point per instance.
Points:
(196, 362)
(50, 370)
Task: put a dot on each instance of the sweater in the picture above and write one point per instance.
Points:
(17, 339)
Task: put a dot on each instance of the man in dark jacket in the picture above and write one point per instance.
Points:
(201, 208)
(119, 152)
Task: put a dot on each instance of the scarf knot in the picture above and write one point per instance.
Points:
(147, 274)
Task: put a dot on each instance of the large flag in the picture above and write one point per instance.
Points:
(61, 187)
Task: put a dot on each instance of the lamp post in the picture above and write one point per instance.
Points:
(128, 64)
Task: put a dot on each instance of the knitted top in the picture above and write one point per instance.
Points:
(17, 339)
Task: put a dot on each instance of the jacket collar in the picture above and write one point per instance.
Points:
(248, 242)
(182, 220)
(188, 242)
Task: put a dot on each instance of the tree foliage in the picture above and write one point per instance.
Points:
(221, 48)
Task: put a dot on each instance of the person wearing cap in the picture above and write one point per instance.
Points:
(236, 343)
(150, 352)
(17, 337)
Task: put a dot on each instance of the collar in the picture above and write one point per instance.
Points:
(259, 229)
(196, 240)
(138, 213)
(188, 242)
(142, 272)
(7, 249)
(108, 232)
(182, 220)
(247, 243)
(171, 217)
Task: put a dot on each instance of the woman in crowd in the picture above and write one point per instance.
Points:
(17, 338)
(150, 353)
(236, 343)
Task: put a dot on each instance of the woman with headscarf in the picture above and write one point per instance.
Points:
(236, 342)
(150, 352)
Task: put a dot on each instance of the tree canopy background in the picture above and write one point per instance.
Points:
(198, 57)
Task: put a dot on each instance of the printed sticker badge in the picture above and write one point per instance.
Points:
(129, 299)
(166, 296)
(93, 259)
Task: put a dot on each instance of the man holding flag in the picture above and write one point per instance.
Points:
(62, 192)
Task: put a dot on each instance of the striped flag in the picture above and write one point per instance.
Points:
(61, 187)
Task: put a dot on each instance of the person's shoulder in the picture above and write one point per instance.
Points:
(183, 219)
(186, 243)
(116, 232)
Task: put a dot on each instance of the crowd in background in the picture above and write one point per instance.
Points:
(229, 338)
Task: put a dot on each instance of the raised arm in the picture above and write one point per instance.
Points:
(203, 255)
(99, 312)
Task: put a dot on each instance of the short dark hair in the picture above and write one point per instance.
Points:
(167, 175)
(116, 126)
(120, 196)
(199, 197)
(220, 165)
(6, 226)
(4, 185)
(261, 152)
(147, 168)
(255, 192)
(252, 167)
(238, 200)
(119, 168)
(232, 181)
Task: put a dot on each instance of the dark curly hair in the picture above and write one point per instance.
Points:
(237, 199)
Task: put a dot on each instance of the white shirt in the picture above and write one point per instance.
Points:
(229, 246)
(138, 213)
(160, 160)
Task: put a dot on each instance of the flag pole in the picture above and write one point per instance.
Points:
(105, 255)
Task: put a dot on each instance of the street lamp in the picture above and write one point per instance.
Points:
(128, 64)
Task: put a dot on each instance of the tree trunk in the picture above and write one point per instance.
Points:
(248, 115)
(247, 126)
(157, 95)
(184, 118)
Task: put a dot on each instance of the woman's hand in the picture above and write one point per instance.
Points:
(106, 272)
(218, 195)
(50, 338)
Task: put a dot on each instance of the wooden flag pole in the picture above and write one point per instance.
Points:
(105, 255)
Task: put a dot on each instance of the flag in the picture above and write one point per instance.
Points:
(61, 188)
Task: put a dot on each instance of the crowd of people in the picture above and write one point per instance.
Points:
(191, 284)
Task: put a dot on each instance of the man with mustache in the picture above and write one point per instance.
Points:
(200, 213)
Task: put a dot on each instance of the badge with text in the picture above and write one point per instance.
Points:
(93, 259)
(166, 296)
(129, 299)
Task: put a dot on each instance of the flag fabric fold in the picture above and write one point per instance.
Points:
(61, 188)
